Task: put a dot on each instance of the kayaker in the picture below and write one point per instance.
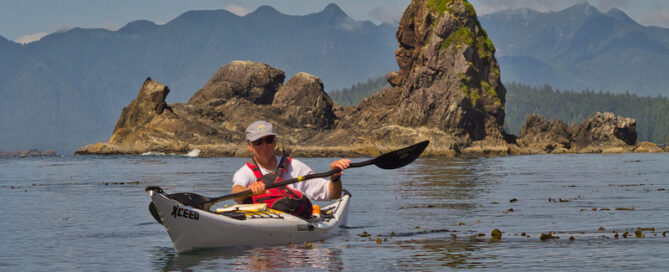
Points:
(265, 167)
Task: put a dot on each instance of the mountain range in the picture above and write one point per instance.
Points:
(580, 48)
(68, 88)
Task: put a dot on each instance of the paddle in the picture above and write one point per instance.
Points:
(391, 160)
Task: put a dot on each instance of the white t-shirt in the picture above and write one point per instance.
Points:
(315, 189)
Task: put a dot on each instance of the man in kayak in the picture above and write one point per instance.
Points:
(266, 168)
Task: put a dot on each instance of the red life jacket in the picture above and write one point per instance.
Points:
(281, 198)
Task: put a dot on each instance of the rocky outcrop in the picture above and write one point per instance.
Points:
(305, 102)
(448, 82)
(647, 147)
(29, 153)
(447, 90)
(603, 133)
(539, 135)
(150, 101)
(215, 117)
(257, 82)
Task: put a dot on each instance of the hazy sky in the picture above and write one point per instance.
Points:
(27, 20)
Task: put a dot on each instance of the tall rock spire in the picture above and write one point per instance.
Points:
(448, 80)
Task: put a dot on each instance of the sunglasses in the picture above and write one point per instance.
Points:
(267, 140)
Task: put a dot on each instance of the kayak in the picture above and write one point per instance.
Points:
(244, 225)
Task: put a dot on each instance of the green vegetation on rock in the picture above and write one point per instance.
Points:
(495, 71)
(484, 46)
(439, 5)
(471, 93)
(491, 91)
(464, 35)
(461, 36)
(470, 9)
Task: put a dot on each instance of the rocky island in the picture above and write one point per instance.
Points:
(447, 90)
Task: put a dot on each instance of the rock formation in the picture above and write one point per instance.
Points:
(447, 90)
(648, 147)
(29, 153)
(214, 119)
(448, 87)
(306, 101)
(603, 133)
(253, 81)
(541, 136)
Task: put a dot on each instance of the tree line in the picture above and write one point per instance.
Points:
(572, 107)
(359, 91)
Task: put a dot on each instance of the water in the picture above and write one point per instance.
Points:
(89, 213)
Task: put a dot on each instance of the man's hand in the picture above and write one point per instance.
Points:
(341, 165)
(258, 188)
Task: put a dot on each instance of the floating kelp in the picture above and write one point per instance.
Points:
(414, 233)
(121, 183)
(560, 200)
(364, 234)
(548, 236)
(626, 209)
(496, 234)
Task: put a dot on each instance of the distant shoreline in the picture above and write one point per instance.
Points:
(29, 153)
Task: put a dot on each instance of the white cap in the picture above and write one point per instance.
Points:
(259, 129)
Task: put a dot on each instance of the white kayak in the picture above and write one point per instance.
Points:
(244, 225)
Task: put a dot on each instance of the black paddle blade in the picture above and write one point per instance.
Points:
(401, 157)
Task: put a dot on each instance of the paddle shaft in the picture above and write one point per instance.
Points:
(286, 182)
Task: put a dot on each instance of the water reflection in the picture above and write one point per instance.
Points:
(447, 253)
(432, 221)
(448, 178)
(443, 183)
(430, 254)
(303, 257)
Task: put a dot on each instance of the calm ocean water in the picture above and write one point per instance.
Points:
(89, 213)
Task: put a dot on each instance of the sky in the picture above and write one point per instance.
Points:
(28, 20)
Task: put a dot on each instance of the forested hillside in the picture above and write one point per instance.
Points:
(356, 93)
(651, 113)
(652, 122)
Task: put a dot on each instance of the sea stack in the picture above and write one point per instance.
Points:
(448, 88)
